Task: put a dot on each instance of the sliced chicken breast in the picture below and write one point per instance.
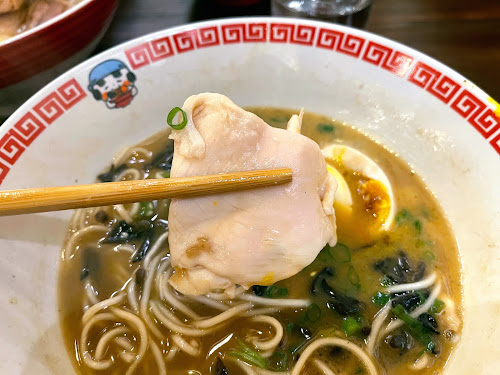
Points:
(229, 242)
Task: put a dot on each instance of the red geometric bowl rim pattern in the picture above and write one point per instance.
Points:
(444, 84)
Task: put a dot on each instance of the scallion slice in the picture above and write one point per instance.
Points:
(171, 116)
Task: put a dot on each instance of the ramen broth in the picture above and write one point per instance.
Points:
(93, 268)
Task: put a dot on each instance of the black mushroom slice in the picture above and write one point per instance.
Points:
(342, 304)
(404, 262)
(402, 341)
(392, 269)
(163, 160)
(120, 233)
(141, 253)
(429, 323)
(143, 229)
(125, 233)
(321, 275)
(419, 273)
(219, 368)
(90, 262)
(259, 290)
(409, 300)
(112, 173)
(400, 269)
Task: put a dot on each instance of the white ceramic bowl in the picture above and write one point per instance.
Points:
(433, 117)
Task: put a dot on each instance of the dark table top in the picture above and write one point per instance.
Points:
(462, 34)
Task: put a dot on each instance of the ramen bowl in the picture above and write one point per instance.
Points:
(445, 127)
(33, 58)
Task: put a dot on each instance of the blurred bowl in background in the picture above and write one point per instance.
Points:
(35, 57)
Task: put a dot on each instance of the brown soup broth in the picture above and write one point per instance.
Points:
(421, 231)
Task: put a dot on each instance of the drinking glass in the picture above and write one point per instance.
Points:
(348, 12)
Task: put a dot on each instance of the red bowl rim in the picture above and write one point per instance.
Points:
(66, 13)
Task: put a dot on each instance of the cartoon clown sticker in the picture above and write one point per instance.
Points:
(114, 83)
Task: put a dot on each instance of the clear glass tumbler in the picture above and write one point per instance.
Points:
(348, 12)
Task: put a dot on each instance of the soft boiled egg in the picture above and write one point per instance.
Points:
(362, 187)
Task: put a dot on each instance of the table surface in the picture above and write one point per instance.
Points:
(462, 34)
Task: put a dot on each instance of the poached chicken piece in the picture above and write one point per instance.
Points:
(229, 242)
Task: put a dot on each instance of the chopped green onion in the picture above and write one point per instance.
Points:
(352, 275)
(421, 353)
(328, 332)
(171, 116)
(289, 327)
(279, 360)
(437, 306)
(351, 326)
(422, 297)
(402, 216)
(422, 243)
(416, 328)
(313, 313)
(274, 291)
(380, 299)
(248, 355)
(418, 226)
(429, 256)
(340, 253)
(386, 281)
(325, 128)
(325, 254)
(166, 174)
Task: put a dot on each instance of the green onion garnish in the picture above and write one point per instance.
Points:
(325, 128)
(279, 360)
(380, 299)
(248, 355)
(422, 243)
(421, 296)
(386, 281)
(171, 116)
(402, 215)
(340, 253)
(429, 256)
(437, 306)
(418, 226)
(275, 291)
(313, 313)
(416, 328)
(352, 275)
(351, 326)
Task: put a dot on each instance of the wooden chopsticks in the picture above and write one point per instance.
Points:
(15, 202)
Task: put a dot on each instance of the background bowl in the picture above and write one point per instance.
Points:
(32, 59)
(435, 119)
